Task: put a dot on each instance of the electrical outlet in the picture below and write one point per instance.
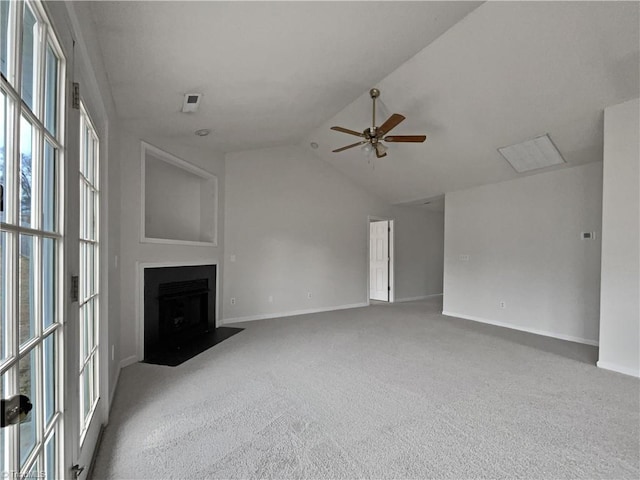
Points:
(233, 300)
(309, 295)
(464, 258)
(113, 352)
(270, 298)
(503, 304)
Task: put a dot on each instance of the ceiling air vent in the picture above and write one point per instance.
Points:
(191, 102)
(532, 154)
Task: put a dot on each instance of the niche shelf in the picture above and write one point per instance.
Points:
(179, 200)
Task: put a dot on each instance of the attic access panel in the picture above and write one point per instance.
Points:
(534, 154)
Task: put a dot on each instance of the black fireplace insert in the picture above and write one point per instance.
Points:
(179, 313)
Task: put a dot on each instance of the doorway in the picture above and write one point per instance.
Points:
(381, 260)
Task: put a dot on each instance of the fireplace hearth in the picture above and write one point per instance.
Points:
(179, 313)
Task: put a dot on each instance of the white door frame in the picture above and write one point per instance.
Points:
(140, 267)
(392, 276)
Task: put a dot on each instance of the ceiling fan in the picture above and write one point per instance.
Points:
(375, 135)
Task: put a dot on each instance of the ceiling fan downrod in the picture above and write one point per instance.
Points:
(374, 93)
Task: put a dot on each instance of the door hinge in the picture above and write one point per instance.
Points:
(75, 96)
(77, 470)
(389, 288)
(75, 294)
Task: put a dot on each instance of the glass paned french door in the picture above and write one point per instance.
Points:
(89, 271)
(32, 68)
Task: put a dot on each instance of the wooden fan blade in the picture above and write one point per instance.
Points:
(378, 153)
(349, 146)
(405, 138)
(391, 123)
(346, 130)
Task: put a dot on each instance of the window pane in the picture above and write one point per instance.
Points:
(49, 188)
(90, 270)
(28, 381)
(26, 173)
(83, 209)
(48, 282)
(50, 458)
(91, 216)
(4, 36)
(90, 384)
(94, 157)
(3, 146)
(27, 272)
(4, 283)
(85, 382)
(51, 91)
(49, 378)
(84, 163)
(96, 375)
(28, 56)
(88, 329)
(83, 332)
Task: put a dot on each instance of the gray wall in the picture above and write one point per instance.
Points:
(619, 305)
(419, 252)
(524, 246)
(296, 225)
(172, 202)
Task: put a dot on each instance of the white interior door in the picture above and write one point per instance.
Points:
(379, 260)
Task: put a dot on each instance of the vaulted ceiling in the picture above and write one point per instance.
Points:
(473, 77)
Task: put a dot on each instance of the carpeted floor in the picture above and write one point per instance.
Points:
(387, 391)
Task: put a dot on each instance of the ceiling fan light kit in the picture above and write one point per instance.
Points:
(374, 136)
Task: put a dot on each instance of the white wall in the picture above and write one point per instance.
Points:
(524, 246)
(133, 252)
(620, 287)
(296, 225)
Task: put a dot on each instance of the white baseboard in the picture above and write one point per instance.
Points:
(125, 362)
(413, 299)
(545, 333)
(112, 393)
(617, 368)
(251, 318)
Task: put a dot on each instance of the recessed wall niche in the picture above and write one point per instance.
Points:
(179, 200)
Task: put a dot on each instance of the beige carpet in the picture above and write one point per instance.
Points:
(388, 391)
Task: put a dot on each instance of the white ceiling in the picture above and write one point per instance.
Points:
(284, 72)
(270, 71)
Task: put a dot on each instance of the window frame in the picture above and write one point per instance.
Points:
(11, 86)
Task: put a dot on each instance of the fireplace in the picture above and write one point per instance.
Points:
(179, 305)
(183, 311)
(180, 313)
